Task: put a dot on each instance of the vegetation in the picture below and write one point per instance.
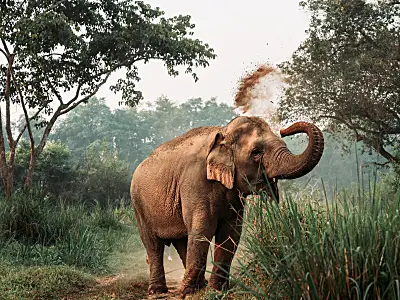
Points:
(346, 73)
(46, 244)
(74, 46)
(65, 218)
(343, 248)
(132, 133)
(76, 218)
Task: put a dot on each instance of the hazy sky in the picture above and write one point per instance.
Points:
(242, 33)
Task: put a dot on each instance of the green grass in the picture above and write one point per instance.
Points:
(42, 283)
(48, 248)
(343, 248)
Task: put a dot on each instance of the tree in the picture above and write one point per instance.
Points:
(85, 125)
(346, 74)
(55, 175)
(55, 47)
(134, 133)
(99, 166)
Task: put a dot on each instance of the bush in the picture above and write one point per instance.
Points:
(345, 249)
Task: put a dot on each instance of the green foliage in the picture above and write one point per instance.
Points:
(346, 74)
(54, 173)
(42, 283)
(337, 168)
(344, 249)
(132, 133)
(57, 55)
(103, 177)
(391, 181)
(99, 176)
(84, 126)
(36, 231)
(58, 46)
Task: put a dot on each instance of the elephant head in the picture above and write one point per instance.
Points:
(241, 152)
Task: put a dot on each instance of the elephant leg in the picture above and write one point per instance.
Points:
(181, 247)
(155, 258)
(227, 239)
(196, 257)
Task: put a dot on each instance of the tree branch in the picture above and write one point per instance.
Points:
(5, 47)
(7, 98)
(5, 54)
(25, 126)
(69, 108)
(54, 6)
(25, 111)
(381, 164)
(395, 130)
(3, 161)
(55, 92)
(382, 151)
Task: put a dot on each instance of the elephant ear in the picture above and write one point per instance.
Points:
(220, 164)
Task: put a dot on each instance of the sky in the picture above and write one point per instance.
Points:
(243, 34)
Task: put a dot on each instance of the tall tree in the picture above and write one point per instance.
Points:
(51, 47)
(346, 74)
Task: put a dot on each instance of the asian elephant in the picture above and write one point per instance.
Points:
(189, 190)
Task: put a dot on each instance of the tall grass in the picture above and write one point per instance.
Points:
(35, 231)
(347, 247)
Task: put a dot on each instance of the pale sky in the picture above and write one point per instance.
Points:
(242, 34)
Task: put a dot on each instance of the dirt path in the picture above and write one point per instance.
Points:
(131, 277)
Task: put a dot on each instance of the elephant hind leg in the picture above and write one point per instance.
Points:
(181, 247)
(155, 259)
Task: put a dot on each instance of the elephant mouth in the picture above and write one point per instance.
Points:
(266, 185)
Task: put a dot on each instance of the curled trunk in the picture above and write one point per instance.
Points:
(290, 166)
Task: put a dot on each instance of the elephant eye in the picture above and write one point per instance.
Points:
(256, 153)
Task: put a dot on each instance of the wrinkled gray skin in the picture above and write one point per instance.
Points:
(184, 192)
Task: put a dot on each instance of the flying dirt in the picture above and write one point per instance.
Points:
(259, 93)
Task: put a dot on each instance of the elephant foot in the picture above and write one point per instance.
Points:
(157, 289)
(219, 284)
(192, 289)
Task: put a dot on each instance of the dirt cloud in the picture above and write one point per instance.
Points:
(259, 93)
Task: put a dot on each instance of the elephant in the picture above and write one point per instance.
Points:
(191, 188)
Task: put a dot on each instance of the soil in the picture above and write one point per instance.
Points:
(130, 281)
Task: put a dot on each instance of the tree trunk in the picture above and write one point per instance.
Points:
(9, 184)
(29, 174)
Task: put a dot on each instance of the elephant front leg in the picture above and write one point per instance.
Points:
(227, 239)
(196, 257)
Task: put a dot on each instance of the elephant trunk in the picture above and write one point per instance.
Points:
(290, 166)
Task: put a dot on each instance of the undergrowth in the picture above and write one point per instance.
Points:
(50, 248)
(346, 247)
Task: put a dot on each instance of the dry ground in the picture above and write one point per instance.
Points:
(130, 279)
